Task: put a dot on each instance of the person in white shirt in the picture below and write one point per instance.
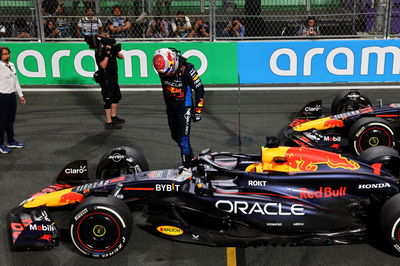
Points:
(9, 87)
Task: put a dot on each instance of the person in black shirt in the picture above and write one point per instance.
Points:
(107, 52)
(178, 79)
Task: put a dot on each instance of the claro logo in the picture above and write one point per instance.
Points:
(380, 53)
(80, 170)
(270, 208)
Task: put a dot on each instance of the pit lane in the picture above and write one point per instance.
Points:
(59, 127)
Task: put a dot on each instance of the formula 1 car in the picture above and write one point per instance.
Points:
(294, 195)
(354, 125)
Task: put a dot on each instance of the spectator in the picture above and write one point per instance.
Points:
(181, 25)
(234, 29)
(49, 7)
(89, 25)
(20, 29)
(310, 29)
(167, 4)
(2, 30)
(94, 4)
(61, 21)
(118, 25)
(50, 29)
(158, 28)
(199, 29)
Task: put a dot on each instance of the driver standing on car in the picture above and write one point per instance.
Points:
(178, 79)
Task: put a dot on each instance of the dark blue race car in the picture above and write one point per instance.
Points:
(293, 195)
(353, 126)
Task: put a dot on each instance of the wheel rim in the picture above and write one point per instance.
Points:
(374, 136)
(98, 232)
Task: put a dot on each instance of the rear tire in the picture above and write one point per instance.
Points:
(347, 101)
(101, 226)
(390, 223)
(370, 132)
(120, 161)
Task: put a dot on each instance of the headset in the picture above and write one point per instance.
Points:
(1, 50)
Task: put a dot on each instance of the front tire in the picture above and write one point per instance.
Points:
(390, 223)
(100, 227)
(370, 132)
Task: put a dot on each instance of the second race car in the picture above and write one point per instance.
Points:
(354, 125)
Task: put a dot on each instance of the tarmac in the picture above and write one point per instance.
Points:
(59, 127)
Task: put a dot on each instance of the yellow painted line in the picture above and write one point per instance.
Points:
(231, 256)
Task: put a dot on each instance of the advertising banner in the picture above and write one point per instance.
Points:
(319, 61)
(74, 63)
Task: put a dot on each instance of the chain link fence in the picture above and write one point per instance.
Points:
(53, 20)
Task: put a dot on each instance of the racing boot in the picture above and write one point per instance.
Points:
(184, 173)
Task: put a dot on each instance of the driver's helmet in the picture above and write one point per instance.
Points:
(165, 61)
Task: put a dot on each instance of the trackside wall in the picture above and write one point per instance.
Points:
(266, 62)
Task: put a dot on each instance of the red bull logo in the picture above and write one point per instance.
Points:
(306, 159)
(323, 192)
(175, 91)
(332, 123)
(46, 237)
(71, 198)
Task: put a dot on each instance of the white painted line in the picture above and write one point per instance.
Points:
(244, 88)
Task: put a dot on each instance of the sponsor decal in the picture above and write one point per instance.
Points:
(333, 138)
(167, 187)
(42, 227)
(155, 174)
(304, 159)
(17, 229)
(80, 170)
(270, 208)
(170, 230)
(256, 183)
(249, 162)
(396, 246)
(323, 192)
(351, 113)
(71, 198)
(298, 224)
(274, 224)
(332, 123)
(46, 237)
(195, 237)
(313, 108)
(116, 157)
(92, 185)
(369, 186)
(394, 105)
(80, 214)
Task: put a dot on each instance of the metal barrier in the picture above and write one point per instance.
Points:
(211, 20)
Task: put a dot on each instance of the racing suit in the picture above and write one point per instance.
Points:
(177, 90)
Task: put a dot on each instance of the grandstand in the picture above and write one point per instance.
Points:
(263, 19)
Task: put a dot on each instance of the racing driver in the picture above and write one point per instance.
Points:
(178, 79)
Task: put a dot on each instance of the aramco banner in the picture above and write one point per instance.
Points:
(319, 61)
(74, 63)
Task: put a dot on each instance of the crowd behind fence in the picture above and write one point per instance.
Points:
(213, 20)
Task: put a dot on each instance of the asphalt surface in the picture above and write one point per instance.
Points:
(59, 127)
